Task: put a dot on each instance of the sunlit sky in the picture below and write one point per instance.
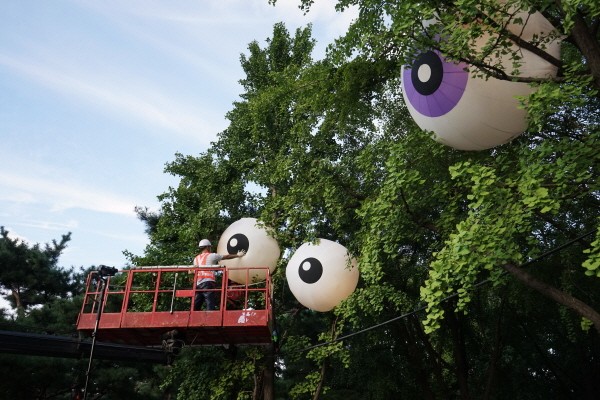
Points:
(97, 96)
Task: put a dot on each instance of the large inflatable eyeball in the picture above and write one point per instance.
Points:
(261, 250)
(470, 113)
(321, 275)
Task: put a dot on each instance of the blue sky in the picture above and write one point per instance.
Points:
(97, 96)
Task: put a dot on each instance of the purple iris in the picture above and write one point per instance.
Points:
(434, 86)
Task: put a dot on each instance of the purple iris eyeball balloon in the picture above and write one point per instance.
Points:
(471, 113)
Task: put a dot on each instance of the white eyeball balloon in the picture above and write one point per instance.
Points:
(470, 113)
(321, 275)
(261, 250)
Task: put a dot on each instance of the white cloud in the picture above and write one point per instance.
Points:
(49, 225)
(15, 236)
(147, 105)
(62, 195)
(217, 21)
(178, 31)
(213, 13)
(41, 225)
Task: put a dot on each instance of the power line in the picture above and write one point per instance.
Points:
(421, 308)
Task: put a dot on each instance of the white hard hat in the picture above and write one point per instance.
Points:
(204, 243)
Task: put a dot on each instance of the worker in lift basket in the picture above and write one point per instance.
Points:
(205, 279)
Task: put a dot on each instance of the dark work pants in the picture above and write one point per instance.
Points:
(211, 298)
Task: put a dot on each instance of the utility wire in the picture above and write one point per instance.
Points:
(421, 308)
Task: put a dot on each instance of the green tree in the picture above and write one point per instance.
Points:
(441, 232)
(30, 273)
(46, 299)
(499, 208)
(217, 188)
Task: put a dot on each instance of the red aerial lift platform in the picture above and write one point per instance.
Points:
(139, 306)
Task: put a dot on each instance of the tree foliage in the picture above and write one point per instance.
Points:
(326, 149)
(30, 274)
(45, 298)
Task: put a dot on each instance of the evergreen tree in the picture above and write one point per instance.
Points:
(31, 274)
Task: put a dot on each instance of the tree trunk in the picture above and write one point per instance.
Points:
(417, 357)
(460, 356)
(588, 45)
(268, 378)
(559, 296)
(320, 385)
(258, 385)
(19, 305)
(495, 357)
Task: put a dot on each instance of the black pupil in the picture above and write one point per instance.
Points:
(310, 270)
(237, 243)
(433, 61)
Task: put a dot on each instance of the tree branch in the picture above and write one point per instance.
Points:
(553, 293)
